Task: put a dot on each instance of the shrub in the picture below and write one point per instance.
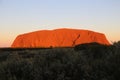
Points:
(83, 62)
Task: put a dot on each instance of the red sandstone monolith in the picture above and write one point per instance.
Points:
(58, 38)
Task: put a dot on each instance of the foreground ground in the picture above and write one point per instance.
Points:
(83, 62)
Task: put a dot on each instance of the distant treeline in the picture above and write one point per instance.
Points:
(31, 48)
(90, 61)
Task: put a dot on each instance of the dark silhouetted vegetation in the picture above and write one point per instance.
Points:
(83, 62)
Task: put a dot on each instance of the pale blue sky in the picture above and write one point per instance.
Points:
(21, 16)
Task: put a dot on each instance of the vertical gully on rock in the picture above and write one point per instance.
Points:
(73, 44)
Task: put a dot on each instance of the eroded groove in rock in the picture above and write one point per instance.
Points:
(74, 42)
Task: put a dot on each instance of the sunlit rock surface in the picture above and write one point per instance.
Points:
(58, 38)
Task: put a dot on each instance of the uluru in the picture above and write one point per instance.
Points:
(63, 37)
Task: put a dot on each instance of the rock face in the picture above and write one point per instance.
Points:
(58, 38)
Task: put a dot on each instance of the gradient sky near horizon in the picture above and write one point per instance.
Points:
(21, 16)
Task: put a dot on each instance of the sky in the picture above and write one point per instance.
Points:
(22, 16)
